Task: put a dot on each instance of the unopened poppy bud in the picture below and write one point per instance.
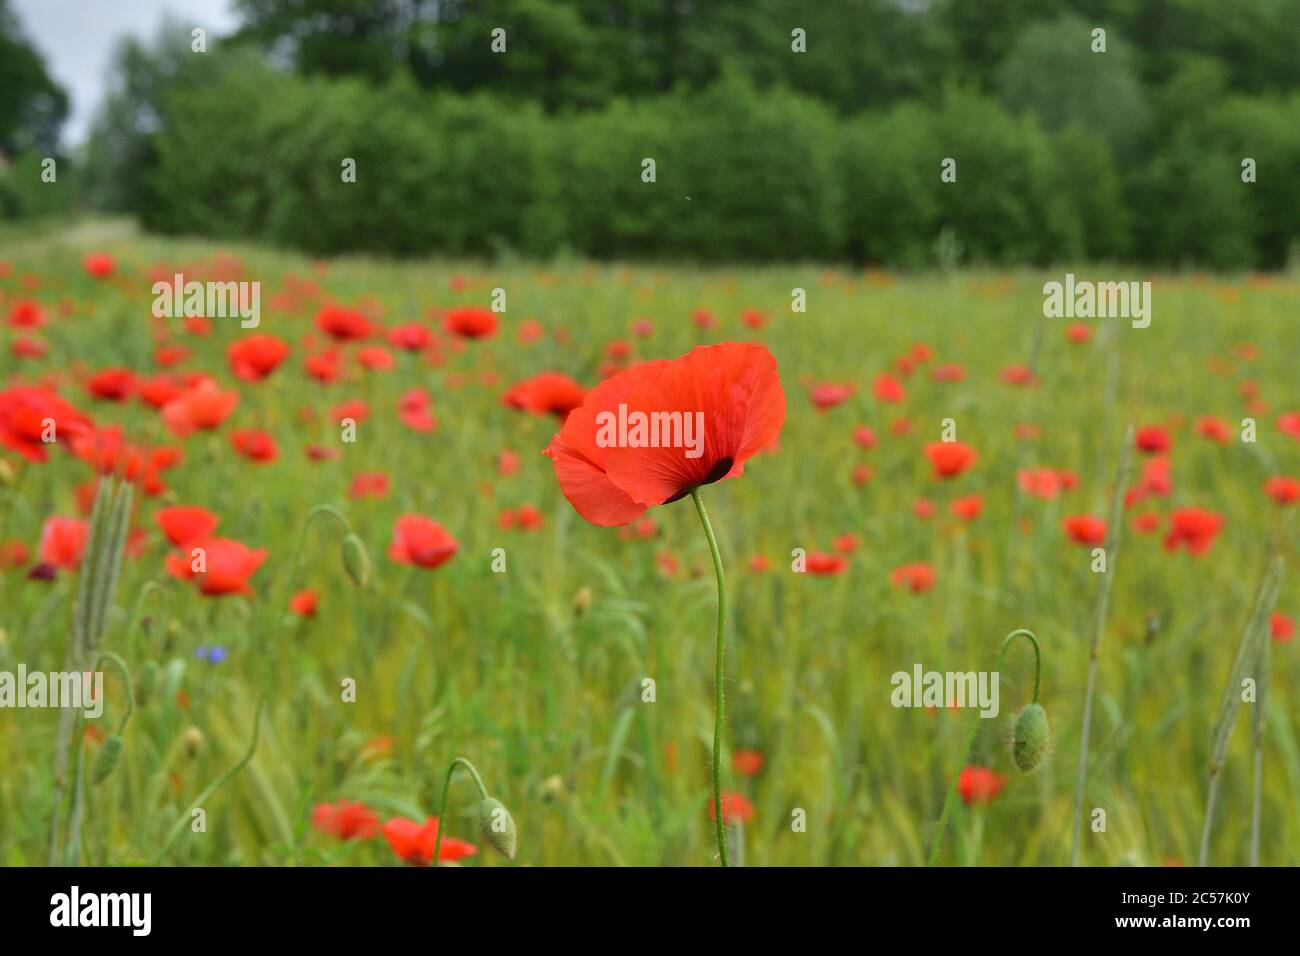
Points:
(1029, 741)
(191, 742)
(106, 762)
(498, 827)
(356, 560)
(581, 600)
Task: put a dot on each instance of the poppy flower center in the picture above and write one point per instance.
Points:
(716, 473)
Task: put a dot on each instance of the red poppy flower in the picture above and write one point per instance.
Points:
(205, 406)
(325, 366)
(550, 393)
(303, 603)
(864, 436)
(747, 763)
(344, 325)
(949, 458)
(411, 337)
(112, 384)
(829, 394)
(734, 807)
(347, 820)
(732, 389)
(1078, 333)
(760, 563)
(254, 445)
(1085, 529)
(923, 509)
(979, 785)
(1039, 482)
(63, 542)
(1194, 528)
(26, 347)
(422, 542)
(219, 565)
(951, 372)
(846, 543)
(889, 389)
(967, 508)
(821, 564)
(507, 463)
(28, 416)
(1017, 375)
(704, 319)
(471, 322)
(185, 523)
(917, 577)
(13, 554)
(99, 265)
(1215, 429)
(861, 475)
(414, 410)
(1281, 627)
(158, 390)
(369, 485)
(255, 357)
(376, 358)
(1283, 490)
(26, 314)
(1146, 523)
(1153, 440)
(528, 517)
(1289, 424)
(414, 842)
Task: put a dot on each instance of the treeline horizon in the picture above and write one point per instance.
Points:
(1163, 133)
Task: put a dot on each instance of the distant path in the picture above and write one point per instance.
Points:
(47, 234)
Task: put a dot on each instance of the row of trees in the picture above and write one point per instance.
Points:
(1062, 151)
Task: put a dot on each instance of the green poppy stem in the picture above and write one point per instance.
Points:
(442, 804)
(719, 699)
(974, 732)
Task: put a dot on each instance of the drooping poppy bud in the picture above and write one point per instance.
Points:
(498, 827)
(1030, 738)
(106, 762)
(356, 560)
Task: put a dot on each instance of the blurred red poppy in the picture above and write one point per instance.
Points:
(63, 542)
(950, 458)
(735, 807)
(1193, 528)
(549, 393)
(979, 785)
(220, 566)
(346, 819)
(1087, 530)
(471, 322)
(185, 523)
(421, 542)
(255, 357)
(414, 842)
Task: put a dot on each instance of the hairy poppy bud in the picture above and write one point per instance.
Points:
(356, 560)
(1029, 741)
(498, 827)
(106, 762)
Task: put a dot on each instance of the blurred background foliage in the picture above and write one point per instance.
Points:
(761, 153)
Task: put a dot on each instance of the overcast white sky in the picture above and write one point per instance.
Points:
(77, 38)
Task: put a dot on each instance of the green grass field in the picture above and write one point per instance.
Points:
(536, 674)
